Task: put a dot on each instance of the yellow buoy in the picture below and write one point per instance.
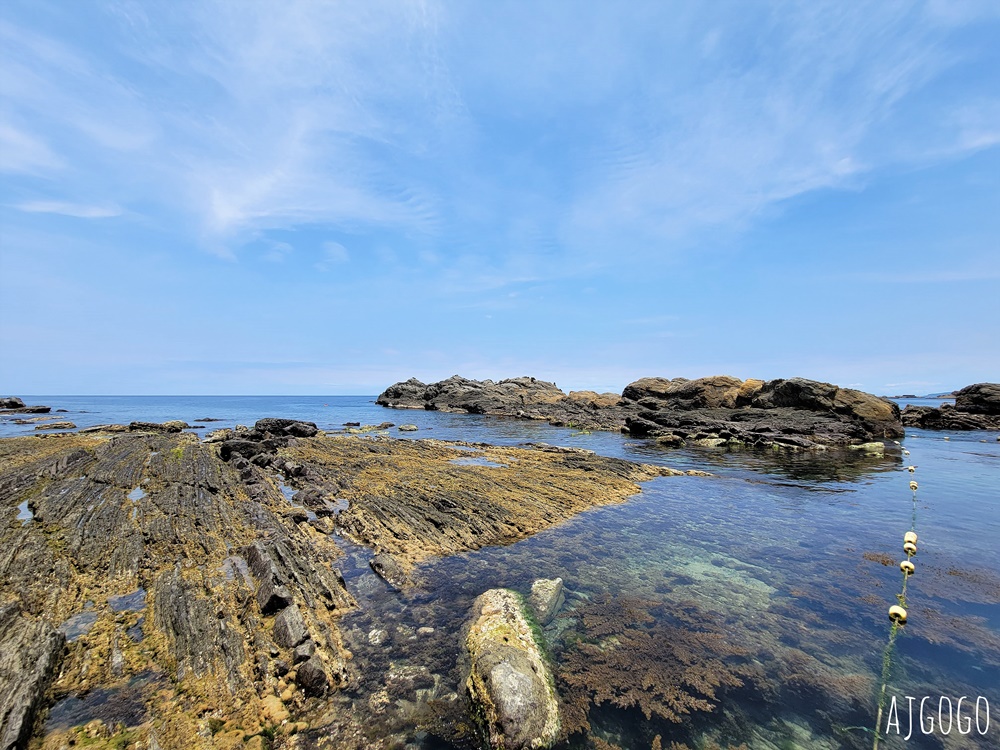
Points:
(910, 548)
(910, 536)
(913, 486)
(911, 469)
(907, 567)
(897, 614)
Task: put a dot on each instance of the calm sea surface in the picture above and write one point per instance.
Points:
(789, 558)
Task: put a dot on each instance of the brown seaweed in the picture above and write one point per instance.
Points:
(631, 654)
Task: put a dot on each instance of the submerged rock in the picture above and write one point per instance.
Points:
(509, 680)
(389, 570)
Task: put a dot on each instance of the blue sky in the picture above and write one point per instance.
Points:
(208, 197)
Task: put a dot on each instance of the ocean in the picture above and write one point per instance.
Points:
(785, 564)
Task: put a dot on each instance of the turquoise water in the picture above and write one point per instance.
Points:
(778, 573)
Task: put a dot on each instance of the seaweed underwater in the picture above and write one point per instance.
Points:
(639, 657)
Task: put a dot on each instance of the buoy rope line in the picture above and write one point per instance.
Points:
(897, 612)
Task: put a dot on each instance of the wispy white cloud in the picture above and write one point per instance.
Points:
(795, 101)
(77, 210)
(22, 152)
(277, 252)
(334, 254)
(237, 119)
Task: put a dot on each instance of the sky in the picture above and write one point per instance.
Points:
(308, 197)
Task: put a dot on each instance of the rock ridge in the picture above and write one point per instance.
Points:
(976, 407)
(794, 413)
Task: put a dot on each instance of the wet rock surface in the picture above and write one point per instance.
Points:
(186, 583)
(718, 411)
(509, 680)
(977, 407)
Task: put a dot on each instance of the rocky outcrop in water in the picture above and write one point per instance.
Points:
(977, 407)
(713, 411)
(523, 398)
(724, 411)
(509, 680)
(14, 405)
(183, 575)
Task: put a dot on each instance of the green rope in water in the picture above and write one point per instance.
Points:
(896, 625)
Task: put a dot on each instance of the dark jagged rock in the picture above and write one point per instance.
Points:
(795, 413)
(27, 410)
(289, 628)
(11, 402)
(977, 407)
(981, 398)
(285, 427)
(720, 410)
(948, 417)
(312, 677)
(30, 652)
(104, 428)
(523, 398)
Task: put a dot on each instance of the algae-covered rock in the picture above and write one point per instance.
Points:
(509, 680)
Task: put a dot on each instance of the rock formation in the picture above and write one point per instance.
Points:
(713, 411)
(14, 405)
(977, 407)
(30, 651)
(179, 570)
(509, 680)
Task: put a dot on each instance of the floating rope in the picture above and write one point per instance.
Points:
(897, 612)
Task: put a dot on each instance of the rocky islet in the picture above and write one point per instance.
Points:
(793, 413)
(976, 407)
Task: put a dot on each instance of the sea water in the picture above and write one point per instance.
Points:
(790, 558)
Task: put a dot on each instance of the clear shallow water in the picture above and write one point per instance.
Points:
(794, 562)
(782, 555)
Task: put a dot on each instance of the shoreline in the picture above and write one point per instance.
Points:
(240, 591)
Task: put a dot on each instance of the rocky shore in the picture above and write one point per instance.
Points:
(716, 411)
(192, 589)
(977, 407)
